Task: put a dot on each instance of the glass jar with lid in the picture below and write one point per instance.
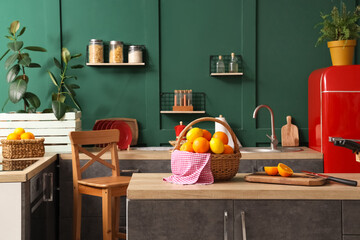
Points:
(116, 52)
(96, 51)
(135, 54)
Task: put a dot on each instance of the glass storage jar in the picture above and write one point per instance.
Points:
(116, 52)
(96, 51)
(135, 54)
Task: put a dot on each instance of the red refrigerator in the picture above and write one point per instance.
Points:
(334, 112)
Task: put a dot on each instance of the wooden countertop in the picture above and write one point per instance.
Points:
(151, 186)
(307, 153)
(29, 172)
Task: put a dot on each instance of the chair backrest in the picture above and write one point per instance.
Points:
(107, 137)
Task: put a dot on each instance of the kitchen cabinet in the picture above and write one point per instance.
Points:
(181, 219)
(351, 219)
(287, 219)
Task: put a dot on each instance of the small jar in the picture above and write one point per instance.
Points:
(116, 52)
(96, 51)
(135, 54)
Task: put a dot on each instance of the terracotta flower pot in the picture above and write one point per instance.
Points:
(342, 52)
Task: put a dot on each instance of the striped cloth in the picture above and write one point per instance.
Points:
(190, 168)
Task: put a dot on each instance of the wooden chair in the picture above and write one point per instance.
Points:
(106, 187)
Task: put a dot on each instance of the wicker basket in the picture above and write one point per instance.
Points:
(16, 165)
(223, 166)
(26, 148)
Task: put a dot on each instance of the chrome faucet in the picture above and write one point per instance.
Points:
(273, 140)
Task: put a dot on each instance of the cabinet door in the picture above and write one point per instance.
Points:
(287, 219)
(180, 219)
(351, 217)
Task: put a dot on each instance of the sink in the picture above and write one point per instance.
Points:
(269, 150)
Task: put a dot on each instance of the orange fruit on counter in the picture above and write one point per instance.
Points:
(222, 136)
(13, 136)
(187, 146)
(272, 171)
(19, 131)
(206, 134)
(27, 135)
(284, 170)
(228, 149)
(194, 133)
(201, 145)
(216, 145)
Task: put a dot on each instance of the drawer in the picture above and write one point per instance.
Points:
(351, 218)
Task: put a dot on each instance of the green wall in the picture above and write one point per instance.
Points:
(275, 38)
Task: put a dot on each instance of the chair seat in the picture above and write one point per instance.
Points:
(105, 182)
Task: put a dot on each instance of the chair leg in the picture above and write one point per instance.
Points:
(106, 212)
(116, 218)
(76, 215)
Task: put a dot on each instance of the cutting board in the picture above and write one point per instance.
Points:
(289, 134)
(133, 126)
(295, 179)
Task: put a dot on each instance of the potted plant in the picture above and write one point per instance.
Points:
(17, 62)
(341, 30)
(64, 87)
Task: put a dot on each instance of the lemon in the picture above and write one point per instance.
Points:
(19, 131)
(193, 134)
(216, 145)
(13, 136)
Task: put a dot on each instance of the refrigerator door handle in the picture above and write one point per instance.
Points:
(346, 143)
(333, 139)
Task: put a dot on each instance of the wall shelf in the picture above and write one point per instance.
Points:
(226, 59)
(167, 103)
(227, 74)
(115, 64)
(185, 112)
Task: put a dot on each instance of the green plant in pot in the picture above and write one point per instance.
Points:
(64, 87)
(16, 64)
(341, 30)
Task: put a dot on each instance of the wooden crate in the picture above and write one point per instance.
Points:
(43, 125)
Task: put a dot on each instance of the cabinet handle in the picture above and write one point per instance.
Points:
(225, 225)
(243, 225)
(130, 171)
(48, 187)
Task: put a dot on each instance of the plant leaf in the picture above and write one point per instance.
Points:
(4, 54)
(69, 89)
(47, 110)
(76, 55)
(34, 65)
(25, 61)
(35, 48)
(17, 90)
(32, 99)
(11, 60)
(23, 77)
(31, 110)
(14, 26)
(53, 79)
(12, 73)
(59, 109)
(74, 77)
(6, 101)
(77, 66)
(74, 86)
(65, 55)
(74, 100)
(10, 37)
(20, 111)
(15, 46)
(57, 63)
(22, 31)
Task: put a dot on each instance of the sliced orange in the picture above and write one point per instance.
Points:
(284, 170)
(272, 171)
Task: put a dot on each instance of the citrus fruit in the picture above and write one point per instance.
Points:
(222, 136)
(272, 171)
(187, 146)
(228, 149)
(206, 134)
(13, 136)
(27, 135)
(216, 145)
(19, 131)
(201, 145)
(284, 170)
(193, 134)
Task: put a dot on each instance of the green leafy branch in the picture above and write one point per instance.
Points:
(64, 88)
(16, 62)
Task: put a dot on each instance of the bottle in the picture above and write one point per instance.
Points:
(220, 66)
(233, 65)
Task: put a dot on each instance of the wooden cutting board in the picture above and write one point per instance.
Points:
(133, 126)
(295, 179)
(289, 134)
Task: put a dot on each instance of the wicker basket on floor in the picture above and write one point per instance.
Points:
(26, 148)
(223, 166)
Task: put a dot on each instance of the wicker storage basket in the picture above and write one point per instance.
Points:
(223, 166)
(16, 165)
(26, 148)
